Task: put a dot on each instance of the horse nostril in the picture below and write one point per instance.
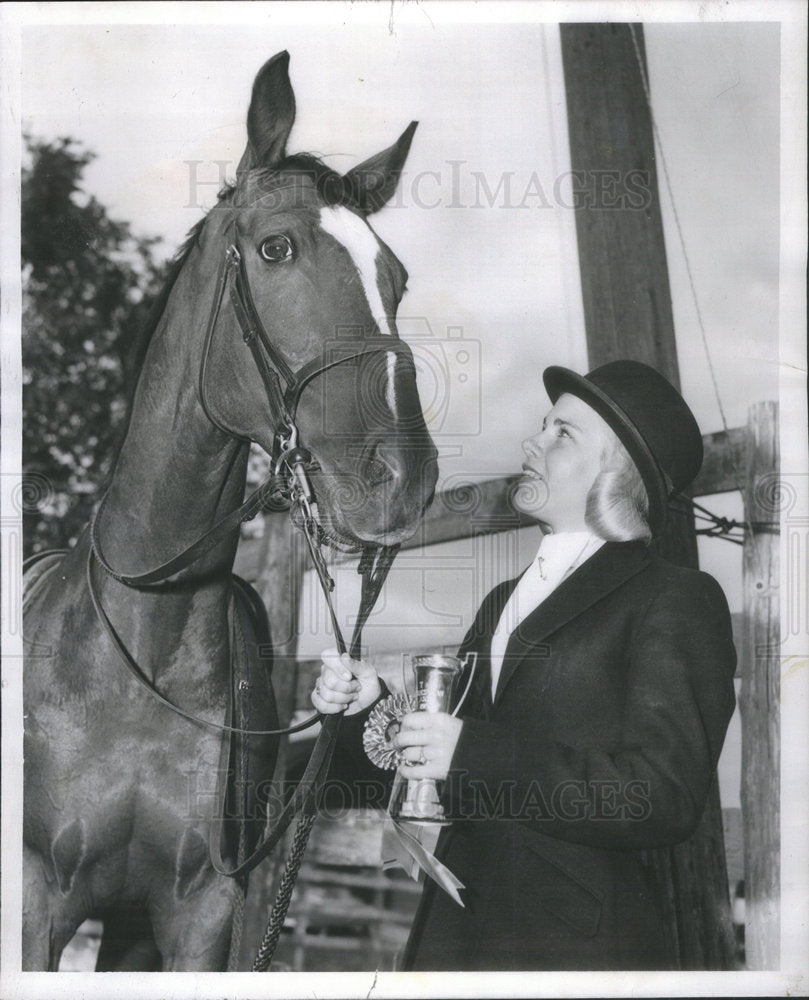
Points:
(382, 465)
(377, 472)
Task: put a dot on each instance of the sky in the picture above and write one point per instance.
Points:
(495, 294)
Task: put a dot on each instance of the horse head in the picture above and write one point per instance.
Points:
(323, 290)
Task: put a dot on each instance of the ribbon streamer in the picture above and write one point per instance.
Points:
(410, 845)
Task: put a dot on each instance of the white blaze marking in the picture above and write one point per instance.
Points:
(350, 231)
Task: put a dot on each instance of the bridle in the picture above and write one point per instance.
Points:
(287, 484)
(270, 362)
(289, 460)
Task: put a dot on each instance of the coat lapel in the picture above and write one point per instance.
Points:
(479, 640)
(612, 565)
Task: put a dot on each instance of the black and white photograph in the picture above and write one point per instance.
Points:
(404, 499)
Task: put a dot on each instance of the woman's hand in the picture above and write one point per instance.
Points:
(344, 685)
(428, 740)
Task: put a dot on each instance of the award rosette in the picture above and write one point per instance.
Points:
(382, 725)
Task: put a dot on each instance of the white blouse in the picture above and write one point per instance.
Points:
(558, 555)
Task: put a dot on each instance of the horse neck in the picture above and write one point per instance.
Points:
(176, 474)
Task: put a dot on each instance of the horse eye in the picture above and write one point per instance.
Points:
(276, 248)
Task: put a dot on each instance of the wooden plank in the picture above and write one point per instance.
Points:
(474, 509)
(312, 940)
(627, 308)
(485, 508)
(760, 696)
(732, 824)
(354, 837)
(723, 468)
(380, 881)
(343, 912)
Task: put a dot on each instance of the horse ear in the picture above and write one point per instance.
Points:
(373, 182)
(271, 114)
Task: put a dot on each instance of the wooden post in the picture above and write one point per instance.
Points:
(627, 308)
(279, 582)
(760, 696)
(624, 276)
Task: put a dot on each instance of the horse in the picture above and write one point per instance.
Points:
(118, 804)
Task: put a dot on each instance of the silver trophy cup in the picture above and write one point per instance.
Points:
(436, 674)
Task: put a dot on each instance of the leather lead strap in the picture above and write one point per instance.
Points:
(374, 567)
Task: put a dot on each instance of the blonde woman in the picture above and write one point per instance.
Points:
(595, 721)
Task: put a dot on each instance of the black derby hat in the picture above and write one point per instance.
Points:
(651, 419)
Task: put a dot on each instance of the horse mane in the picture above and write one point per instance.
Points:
(157, 308)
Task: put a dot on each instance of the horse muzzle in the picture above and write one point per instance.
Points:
(379, 500)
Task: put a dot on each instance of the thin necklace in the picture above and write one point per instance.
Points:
(571, 567)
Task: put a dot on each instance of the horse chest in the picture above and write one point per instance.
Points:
(129, 828)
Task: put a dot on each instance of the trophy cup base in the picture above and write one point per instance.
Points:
(431, 820)
(421, 804)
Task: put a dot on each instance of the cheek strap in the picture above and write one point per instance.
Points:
(272, 366)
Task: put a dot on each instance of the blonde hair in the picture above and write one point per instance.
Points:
(617, 508)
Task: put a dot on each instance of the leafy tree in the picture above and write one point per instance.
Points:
(88, 284)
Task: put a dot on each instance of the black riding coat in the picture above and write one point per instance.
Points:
(610, 712)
